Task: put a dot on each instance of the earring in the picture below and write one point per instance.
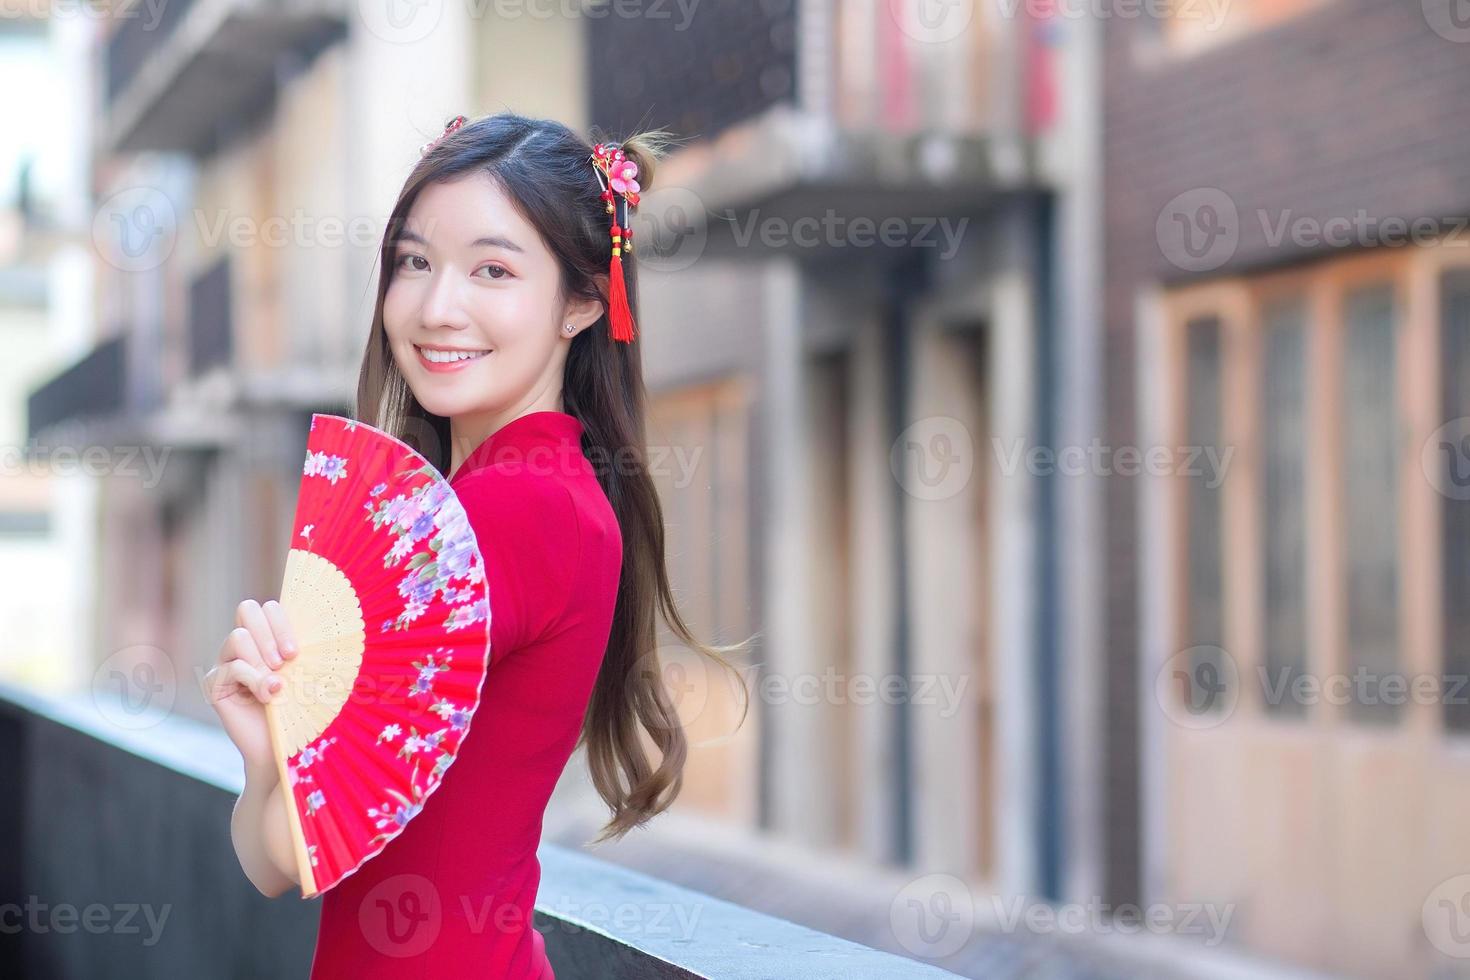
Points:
(570, 328)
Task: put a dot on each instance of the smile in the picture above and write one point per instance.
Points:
(446, 360)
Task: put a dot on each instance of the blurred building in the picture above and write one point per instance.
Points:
(1286, 634)
(46, 540)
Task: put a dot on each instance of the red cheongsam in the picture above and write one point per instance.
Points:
(452, 895)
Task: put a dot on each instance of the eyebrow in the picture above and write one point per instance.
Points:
(485, 241)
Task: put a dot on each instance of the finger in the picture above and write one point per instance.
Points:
(222, 680)
(208, 681)
(275, 614)
(240, 645)
(261, 683)
(252, 617)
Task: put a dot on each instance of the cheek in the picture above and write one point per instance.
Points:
(398, 306)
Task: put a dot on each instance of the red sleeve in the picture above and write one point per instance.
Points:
(526, 528)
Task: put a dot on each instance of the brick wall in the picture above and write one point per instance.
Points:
(1360, 105)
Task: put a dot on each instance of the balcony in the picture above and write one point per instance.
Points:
(188, 78)
(114, 395)
(114, 813)
(90, 390)
(807, 108)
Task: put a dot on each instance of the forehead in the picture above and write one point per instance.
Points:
(454, 213)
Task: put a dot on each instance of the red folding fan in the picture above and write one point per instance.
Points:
(385, 590)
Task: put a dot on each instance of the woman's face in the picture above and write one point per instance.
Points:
(474, 282)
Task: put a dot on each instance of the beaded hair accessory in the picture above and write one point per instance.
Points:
(449, 127)
(618, 177)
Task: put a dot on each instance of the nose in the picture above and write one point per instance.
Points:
(443, 305)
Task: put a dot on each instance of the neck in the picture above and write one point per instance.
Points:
(468, 430)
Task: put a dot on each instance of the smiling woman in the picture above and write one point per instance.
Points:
(491, 353)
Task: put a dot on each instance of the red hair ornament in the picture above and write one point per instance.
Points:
(619, 179)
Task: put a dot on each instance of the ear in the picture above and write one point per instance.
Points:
(584, 312)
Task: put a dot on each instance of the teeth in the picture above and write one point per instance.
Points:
(446, 356)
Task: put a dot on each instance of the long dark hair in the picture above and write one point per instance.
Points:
(545, 169)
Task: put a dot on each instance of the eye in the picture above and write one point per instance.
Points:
(502, 269)
(410, 256)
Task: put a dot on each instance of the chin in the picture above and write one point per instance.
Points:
(448, 404)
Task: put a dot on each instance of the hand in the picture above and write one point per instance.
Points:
(243, 679)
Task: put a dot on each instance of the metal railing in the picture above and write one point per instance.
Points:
(93, 387)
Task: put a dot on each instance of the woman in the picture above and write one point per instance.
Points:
(501, 349)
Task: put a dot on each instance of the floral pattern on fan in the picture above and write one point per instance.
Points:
(430, 513)
(333, 468)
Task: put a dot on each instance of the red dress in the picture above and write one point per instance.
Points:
(452, 895)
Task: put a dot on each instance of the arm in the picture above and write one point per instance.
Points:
(262, 836)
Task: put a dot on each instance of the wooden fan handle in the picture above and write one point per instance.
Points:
(293, 818)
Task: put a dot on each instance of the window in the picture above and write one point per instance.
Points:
(1370, 474)
(1283, 524)
(1206, 608)
(1455, 456)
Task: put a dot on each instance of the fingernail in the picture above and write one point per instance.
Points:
(275, 684)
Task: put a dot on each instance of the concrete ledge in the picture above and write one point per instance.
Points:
(124, 868)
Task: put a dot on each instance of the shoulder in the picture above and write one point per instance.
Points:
(529, 537)
(521, 505)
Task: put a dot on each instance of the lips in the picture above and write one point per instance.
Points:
(450, 360)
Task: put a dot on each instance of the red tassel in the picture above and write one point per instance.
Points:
(619, 314)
